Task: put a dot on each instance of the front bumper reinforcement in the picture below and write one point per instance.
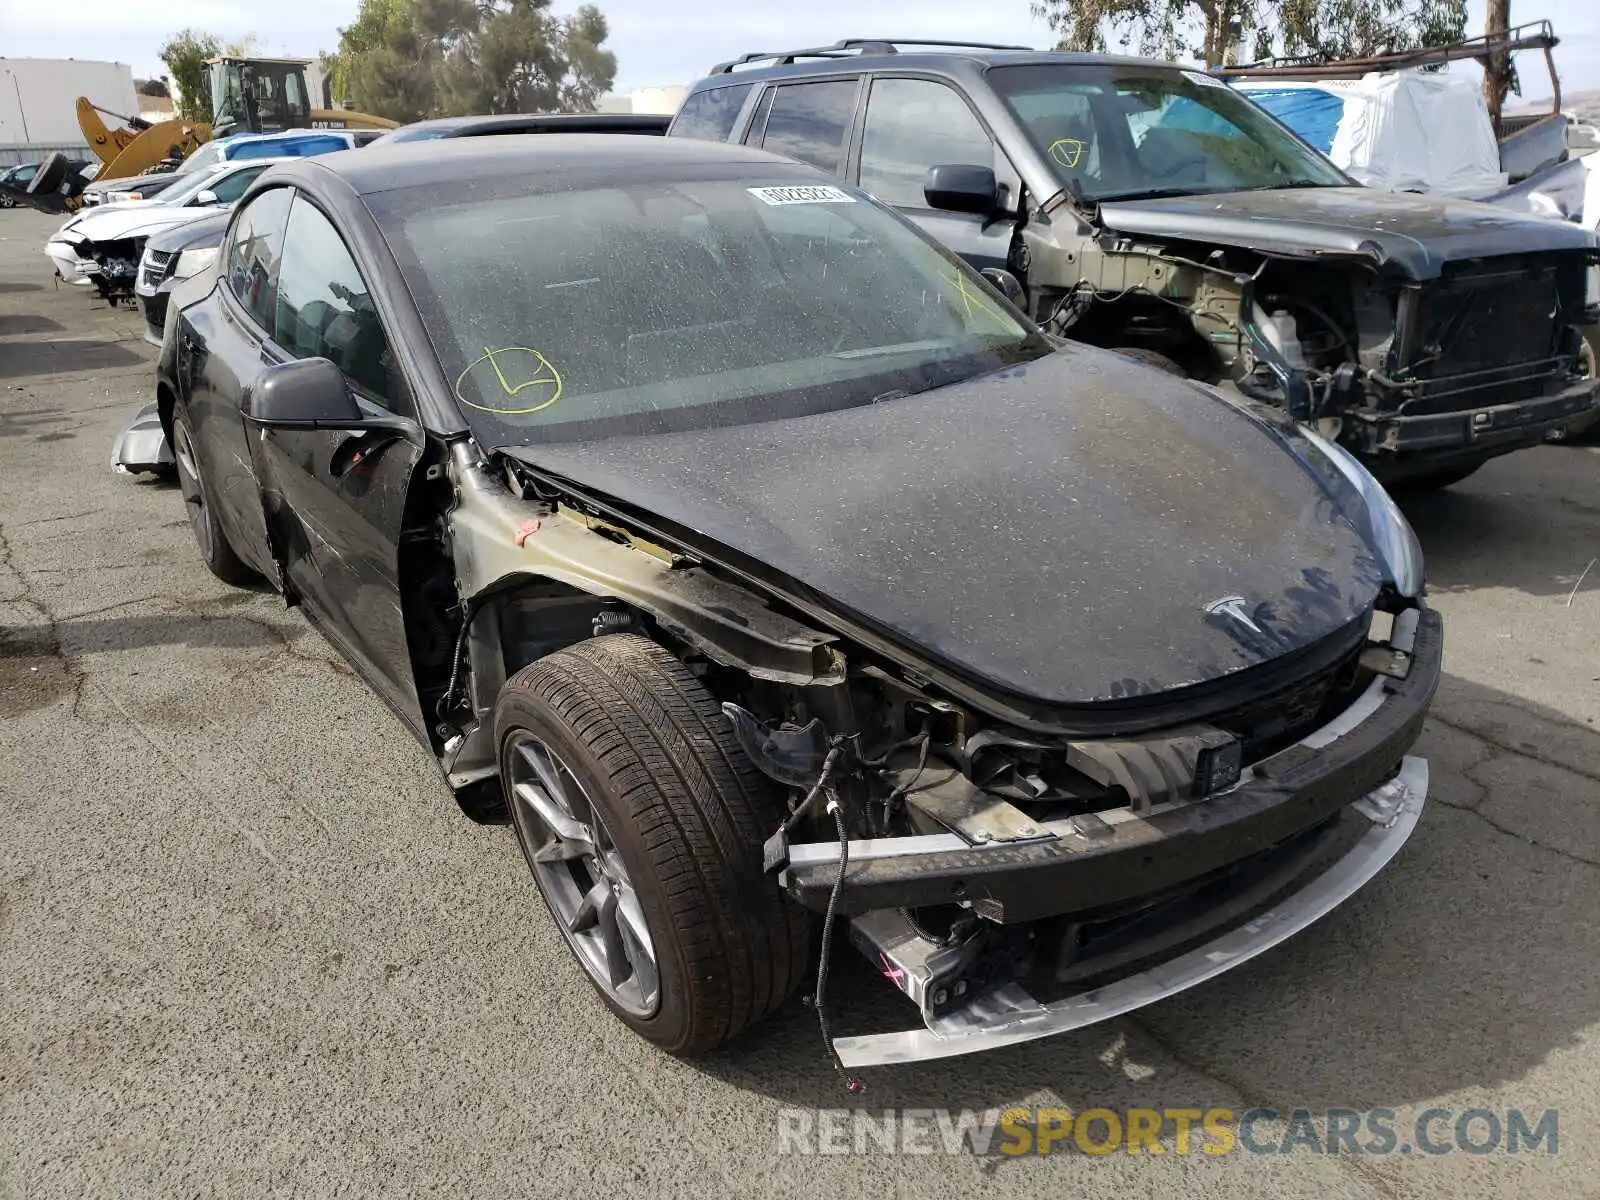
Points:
(1010, 1015)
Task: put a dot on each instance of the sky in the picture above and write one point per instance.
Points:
(655, 43)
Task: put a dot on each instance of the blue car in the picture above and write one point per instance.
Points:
(298, 143)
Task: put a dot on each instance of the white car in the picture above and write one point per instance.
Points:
(102, 247)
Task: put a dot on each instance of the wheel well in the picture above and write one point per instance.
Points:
(1146, 323)
(166, 399)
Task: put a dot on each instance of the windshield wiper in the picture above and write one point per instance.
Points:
(891, 351)
(1289, 185)
(1154, 194)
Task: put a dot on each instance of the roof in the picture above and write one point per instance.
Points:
(391, 166)
(538, 123)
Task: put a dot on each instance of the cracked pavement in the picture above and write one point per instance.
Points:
(249, 947)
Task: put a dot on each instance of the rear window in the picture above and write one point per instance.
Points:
(709, 115)
(297, 148)
(810, 121)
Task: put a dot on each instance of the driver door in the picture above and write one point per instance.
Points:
(334, 499)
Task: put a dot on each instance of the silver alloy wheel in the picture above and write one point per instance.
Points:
(194, 496)
(575, 861)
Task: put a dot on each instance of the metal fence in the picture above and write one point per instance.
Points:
(16, 153)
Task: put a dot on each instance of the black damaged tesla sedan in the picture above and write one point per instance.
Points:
(776, 576)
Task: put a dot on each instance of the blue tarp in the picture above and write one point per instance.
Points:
(1311, 112)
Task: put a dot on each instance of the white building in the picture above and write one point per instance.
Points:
(38, 102)
(663, 100)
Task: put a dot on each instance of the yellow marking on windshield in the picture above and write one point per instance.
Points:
(529, 367)
(970, 296)
(1068, 152)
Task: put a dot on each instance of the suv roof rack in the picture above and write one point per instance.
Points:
(848, 47)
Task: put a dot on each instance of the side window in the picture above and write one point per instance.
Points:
(324, 310)
(914, 124)
(254, 249)
(811, 121)
(231, 188)
(709, 115)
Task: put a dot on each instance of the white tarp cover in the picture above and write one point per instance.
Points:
(1405, 130)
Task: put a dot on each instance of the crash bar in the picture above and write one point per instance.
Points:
(1010, 1015)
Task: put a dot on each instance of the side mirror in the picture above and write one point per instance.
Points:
(1009, 285)
(962, 188)
(307, 394)
(206, 197)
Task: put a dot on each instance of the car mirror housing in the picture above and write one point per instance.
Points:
(1008, 285)
(206, 197)
(962, 188)
(309, 393)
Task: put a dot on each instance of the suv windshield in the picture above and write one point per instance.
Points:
(1117, 132)
(666, 306)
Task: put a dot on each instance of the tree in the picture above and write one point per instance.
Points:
(152, 87)
(1159, 28)
(1208, 29)
(1330, 29)
(185, 54)
(1498, 75)
(407, 59)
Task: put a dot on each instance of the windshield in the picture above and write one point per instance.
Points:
(1120, 132)
(201, 159)
(184, 190)
(409, 135)
(261, 96)
(668, 306)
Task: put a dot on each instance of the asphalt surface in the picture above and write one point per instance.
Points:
(249, 947)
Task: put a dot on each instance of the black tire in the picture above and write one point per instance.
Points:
(1152, 358)
(49, 175)
(685, 810)
(1433, 481)
(7, 200)
(209, 537)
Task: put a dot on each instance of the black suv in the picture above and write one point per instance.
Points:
(1149, 208)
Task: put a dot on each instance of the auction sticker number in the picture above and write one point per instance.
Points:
(816, 194)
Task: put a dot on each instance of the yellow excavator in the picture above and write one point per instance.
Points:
(247, 95)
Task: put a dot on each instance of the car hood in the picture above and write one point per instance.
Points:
(139, 219)
(202, 231)
(1417, 235)
(112, 186)
(1056, 529)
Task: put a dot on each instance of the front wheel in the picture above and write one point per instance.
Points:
(642, 822)
(209, 536)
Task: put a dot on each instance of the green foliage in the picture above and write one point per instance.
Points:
(1359, 28)
(152, 87)
(411, 59)
(1207, 30)
(185, 54)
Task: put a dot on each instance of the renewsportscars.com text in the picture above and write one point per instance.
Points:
(1168, 1131)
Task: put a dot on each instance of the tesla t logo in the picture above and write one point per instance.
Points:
(1232, 606)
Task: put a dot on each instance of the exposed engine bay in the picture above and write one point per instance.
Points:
(986, 864)
(1476, 359)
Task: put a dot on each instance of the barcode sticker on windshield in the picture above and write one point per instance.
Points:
(816, 194)
(1203, 79)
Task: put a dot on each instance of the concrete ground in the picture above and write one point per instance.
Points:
(248, 946)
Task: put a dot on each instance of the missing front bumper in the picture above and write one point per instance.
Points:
(1010, 1014)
